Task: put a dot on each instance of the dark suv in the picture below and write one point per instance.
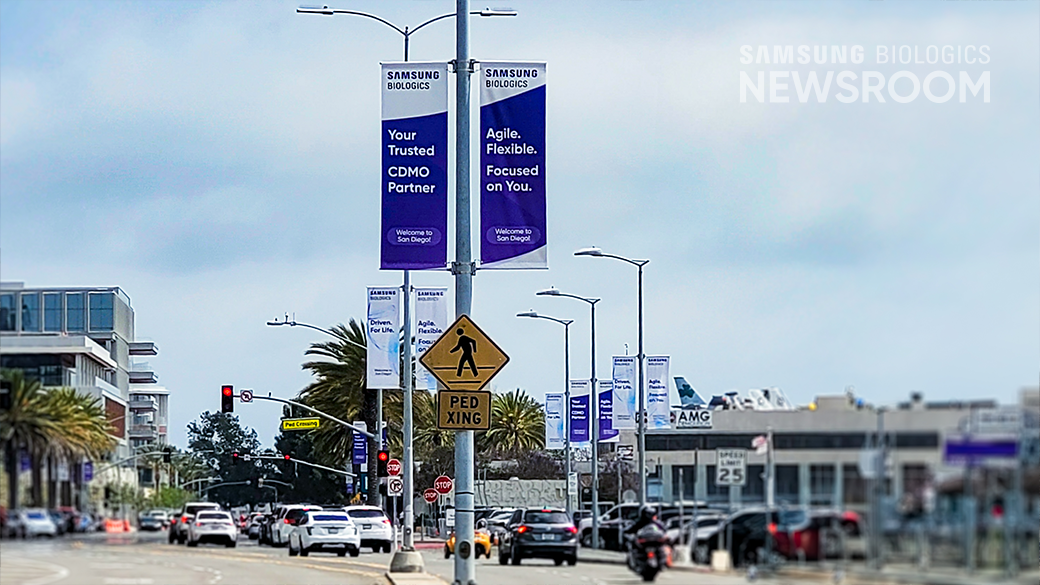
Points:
(539, 533)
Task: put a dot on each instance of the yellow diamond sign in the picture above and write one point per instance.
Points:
(464, 357)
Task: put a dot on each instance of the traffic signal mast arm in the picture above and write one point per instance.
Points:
(300, 461)
(317, 412)
(130, 458)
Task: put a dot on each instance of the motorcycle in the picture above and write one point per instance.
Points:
(649, 552)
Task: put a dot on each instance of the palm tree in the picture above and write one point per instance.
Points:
(45, 423)
(517, 424)
(427, 436)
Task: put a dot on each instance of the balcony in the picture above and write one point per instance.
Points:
(143, 348)
(144, 431)
(143, 377)
(143, 404)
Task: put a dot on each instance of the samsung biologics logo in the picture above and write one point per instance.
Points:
(966, 79)
(412, 79)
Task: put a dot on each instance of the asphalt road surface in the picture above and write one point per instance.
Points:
(147, 559)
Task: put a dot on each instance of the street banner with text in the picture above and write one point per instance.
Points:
(607, 432)
(360, 447)
(658, 403)
(512, 165)
(554, 429)
(624, 376)
(414, 232)
(580, 410)
(384, 321)
(431, 319)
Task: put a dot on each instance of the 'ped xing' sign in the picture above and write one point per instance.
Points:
(464, 411)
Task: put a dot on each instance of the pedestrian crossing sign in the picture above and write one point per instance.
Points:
(464, 357)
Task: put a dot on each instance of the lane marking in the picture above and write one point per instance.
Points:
(60, 572)
(267, 559)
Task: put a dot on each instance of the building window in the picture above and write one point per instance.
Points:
(821, 485)
(787, 484)
(101, 311)
(755, 488)
(855, 485)
(52, 312)
(75, 312)
(689, 478)
(30, 311)
(7, 312)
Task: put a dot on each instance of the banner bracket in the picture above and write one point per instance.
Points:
(460, 268)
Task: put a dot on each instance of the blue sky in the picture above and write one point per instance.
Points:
(220, 162)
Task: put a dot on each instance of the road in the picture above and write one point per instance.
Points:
(147, 559)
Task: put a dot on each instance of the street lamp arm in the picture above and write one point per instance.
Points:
(534, 315)
(317, 412)
(295, 323)
(435, 19)
(330, 11)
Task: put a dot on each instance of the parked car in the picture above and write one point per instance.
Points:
(33, 522)
(539, 533)
(179, 524)
(374, 527)
(288, 516)
(747, 532)
(325, 530)
(820, 534)
(611, 523)
(212, 526)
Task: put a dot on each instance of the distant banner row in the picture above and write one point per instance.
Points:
(617, 404)
(414, 225)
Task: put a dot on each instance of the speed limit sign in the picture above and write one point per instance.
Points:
(730, 466)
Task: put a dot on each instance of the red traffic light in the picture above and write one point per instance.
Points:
(384, 456)
(227, 390)
(287, 457)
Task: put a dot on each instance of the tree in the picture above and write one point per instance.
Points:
(215, 437)
(308, 484)
(517, 424)
(49, 422)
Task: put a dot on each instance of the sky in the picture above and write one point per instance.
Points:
(219, 161)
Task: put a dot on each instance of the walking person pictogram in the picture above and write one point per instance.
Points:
(468, 345)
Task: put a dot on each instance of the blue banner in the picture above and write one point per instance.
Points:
(88, 471)
(580, 410)
(414, 232)
(360, 456)
(512, 165)
(607, 432)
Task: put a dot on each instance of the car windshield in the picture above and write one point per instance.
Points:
(546, 517)
(36, 516)
(330, 518)
(791, 517)
(195, 509)
(365, 513)
(213, 516)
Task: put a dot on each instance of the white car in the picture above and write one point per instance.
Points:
(374, 527)
(323, 530)
(288, 516)
(213, 526)
(35, 522)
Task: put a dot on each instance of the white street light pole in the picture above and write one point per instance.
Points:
(594, 414)
(641, 393)
(566, 395)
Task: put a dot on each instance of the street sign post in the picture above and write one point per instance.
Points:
(394, 486)
(464, 357)
(464, 411)
(393, 467)
(299, 424)
(443, 485)
(730, 467)
(430, 495)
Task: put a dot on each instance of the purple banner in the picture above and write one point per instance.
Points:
(88, 471)
(512, 165)
(607, 433)
(415, 166)
(580, 411)
(24, 462)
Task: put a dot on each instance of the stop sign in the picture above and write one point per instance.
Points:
(393, 467)
(442, 484)
(430, 495)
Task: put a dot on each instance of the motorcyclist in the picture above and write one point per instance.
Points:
(647, 517)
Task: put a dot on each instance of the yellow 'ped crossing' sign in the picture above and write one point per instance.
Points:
(464, 359)
(299, 424)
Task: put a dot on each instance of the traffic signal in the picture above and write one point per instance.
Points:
(260, 483)
(235, 458)
(287, 457)
(227, 399)
(383, 457)
(167, 457)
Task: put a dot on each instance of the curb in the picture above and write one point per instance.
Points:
(414, 579)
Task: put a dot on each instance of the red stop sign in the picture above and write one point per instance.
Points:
(442, 484)
(430, 495)
(393, 467)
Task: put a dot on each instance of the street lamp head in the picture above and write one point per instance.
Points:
(528, 314)
(497, 12)
(315, 10)
(552, 292)
(593, 251)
